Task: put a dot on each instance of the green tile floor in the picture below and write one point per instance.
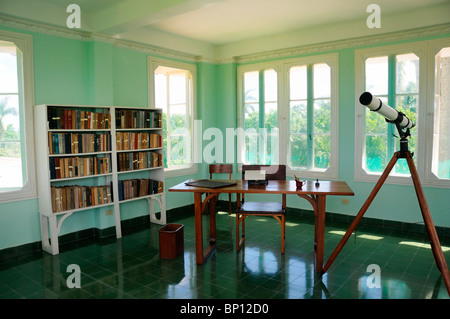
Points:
(131, 268)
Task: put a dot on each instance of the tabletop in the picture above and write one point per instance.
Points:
(273, 187)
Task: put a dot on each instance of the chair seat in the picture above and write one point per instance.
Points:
(261, 208)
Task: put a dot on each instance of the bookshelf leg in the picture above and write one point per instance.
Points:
(117, 219)
(161, 199)
(49, 234)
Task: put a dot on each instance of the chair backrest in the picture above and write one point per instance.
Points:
(220, 168)
(273, 172)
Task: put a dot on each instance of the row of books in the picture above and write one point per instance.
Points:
(137, 140)
(75, 197)
(138, 119)
(66, 167)
(138, 160)
(71, 119)
(76, 143)
(134, 188)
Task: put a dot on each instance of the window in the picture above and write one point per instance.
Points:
(439, 170)
(395, 80)
(310, 117)
(288, 110)
(17, 179)
(261, 117)
(172, 88)
(395, 74)
(413, 78)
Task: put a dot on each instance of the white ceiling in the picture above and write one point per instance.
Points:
(216, 22)
(222, 21)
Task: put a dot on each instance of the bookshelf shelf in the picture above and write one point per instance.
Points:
(56, 180)
(70, 211)
(78, 154)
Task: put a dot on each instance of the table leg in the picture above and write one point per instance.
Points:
(319, 235)
(200, 253)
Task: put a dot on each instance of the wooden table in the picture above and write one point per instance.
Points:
(316, 196)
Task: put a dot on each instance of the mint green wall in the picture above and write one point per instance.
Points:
(60, 70)
(74, 71)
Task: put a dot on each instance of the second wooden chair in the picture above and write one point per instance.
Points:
(275, 209)
(222, 168)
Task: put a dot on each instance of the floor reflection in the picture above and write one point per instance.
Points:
(131, 267)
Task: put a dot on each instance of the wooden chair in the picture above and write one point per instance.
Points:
(222, 168)
(274, 209)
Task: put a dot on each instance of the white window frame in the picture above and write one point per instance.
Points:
(282, 68)
(434, 46)
(25, 44)
(419, 49)
(153, 64)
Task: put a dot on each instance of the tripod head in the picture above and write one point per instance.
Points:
(404, 135)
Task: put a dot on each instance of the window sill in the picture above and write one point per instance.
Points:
(181, 171)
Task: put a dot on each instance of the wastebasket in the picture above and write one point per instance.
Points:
(171, 241)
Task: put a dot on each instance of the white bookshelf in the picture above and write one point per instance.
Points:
(51, 214)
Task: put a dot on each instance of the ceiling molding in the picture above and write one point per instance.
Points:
(32, 26)
(418, 33)
(345, 43)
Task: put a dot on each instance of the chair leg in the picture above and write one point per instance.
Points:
(283, 233)
(229, 204)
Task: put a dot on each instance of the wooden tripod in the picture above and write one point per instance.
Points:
(431, 230)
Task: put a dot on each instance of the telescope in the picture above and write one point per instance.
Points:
(392, 116)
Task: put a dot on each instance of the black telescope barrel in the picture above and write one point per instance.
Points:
(365, 98)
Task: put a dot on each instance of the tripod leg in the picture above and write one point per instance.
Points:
(361, 212)
(432, 234)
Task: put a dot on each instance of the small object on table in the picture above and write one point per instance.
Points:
(317, 183)
(299, 183)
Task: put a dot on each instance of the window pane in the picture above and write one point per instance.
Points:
(8, 68)
(376, 147)
(322, 151)
(178, 147)
(407, 76)
(322, 81)
(251, 87)
(270, 86)
(177, 92)
(177, 116)
(298, 117)
(377, 75)
(298, 83)
(251, 147)
(173, 95)
(375, 123)
(12, 148)
(441, 136)
(270, 115)
(251, 115)
(161, 92)
(298, 151)
(322, 116)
